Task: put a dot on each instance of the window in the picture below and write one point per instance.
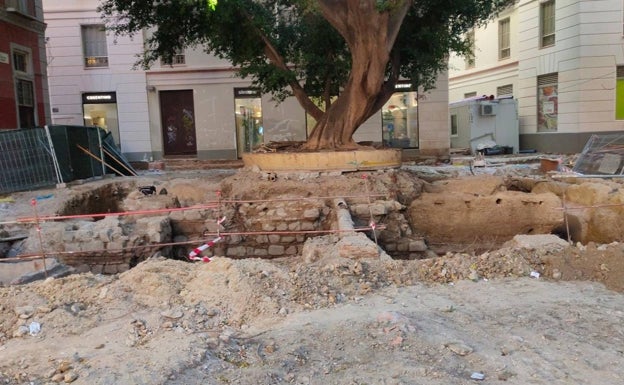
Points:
(22, 6)
(506, 90)
(20, 61)
(504, 50)
(470, 57)
(94, 46)
(25, 103)
(177, 59)
(470, 94)
(619, 93)
(547, 102)
(24, 86)
(454, 125)
(547, 23)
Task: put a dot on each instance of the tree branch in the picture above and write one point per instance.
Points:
(277, 60)
(389, 85)
(396, 19)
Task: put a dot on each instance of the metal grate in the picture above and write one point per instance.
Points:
(25, 160)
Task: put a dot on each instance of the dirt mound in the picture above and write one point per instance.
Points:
(239, 321)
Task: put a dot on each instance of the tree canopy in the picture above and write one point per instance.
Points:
(349, 53)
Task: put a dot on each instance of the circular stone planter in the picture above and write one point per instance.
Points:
(354, 160)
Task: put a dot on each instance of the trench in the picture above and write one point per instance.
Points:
(264, 229)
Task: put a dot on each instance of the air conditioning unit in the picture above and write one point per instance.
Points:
(487, 109)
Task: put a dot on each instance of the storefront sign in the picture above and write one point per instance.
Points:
(4, 58)
(403, 87)
(246, 93)
(100, 97)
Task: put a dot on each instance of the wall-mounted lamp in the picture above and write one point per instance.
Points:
(151, 89)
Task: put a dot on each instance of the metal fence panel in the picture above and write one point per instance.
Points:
(602, 155)
(25, 160)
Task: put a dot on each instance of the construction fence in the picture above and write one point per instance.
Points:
(34, 158)
(25, 160)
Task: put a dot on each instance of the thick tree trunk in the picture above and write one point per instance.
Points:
(370, 35)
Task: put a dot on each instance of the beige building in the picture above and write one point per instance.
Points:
(196, 107)
(562, 60)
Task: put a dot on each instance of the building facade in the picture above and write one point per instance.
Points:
(196, 106)
(562, 60)
(23, 81)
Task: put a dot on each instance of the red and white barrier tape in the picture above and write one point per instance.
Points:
(195, 255)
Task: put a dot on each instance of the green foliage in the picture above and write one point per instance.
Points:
(313, 54)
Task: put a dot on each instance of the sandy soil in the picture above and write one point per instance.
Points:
(457, 319)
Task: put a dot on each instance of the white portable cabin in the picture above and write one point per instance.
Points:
(479, 122)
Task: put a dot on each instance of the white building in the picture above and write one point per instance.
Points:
(562, 60)
(196, 107)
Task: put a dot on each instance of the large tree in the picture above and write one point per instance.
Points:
(349, 54)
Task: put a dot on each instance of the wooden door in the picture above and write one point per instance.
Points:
(177, 116)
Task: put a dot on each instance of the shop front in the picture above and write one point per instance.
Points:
(100, 109)
(400, 118)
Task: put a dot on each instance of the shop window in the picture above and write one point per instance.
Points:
(400, 118)
(100, 109)
(547, 23)
(248, 115)
(547, 102)
(94, 46)
(504, 91)
(504, 48)
(619, 93)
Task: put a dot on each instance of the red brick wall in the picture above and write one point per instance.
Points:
(10, 33)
